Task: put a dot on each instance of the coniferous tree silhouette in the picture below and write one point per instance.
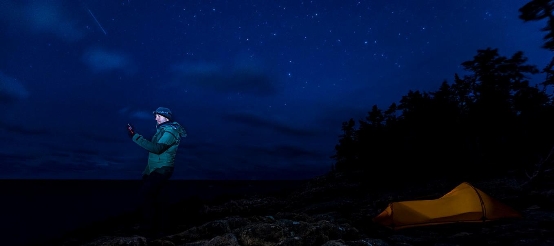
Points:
(477, 126)
(485, 123)
(537, 10)
(345, 155)
(492, 116)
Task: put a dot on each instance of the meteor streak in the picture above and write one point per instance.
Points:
(97, 22)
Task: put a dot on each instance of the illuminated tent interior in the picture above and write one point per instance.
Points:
(465, 203)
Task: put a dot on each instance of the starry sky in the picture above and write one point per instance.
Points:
(262, 87)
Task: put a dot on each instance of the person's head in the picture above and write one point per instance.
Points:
(162, 115)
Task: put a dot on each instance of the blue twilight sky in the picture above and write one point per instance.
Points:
(262, 87)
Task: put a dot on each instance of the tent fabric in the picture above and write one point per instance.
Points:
(464, 203)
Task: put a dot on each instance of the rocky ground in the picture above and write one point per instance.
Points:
(333, 210)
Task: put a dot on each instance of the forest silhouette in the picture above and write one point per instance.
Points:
(490, 122)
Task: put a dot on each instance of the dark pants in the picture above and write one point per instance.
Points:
(151, 206)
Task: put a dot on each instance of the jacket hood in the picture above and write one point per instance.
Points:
(175, 126)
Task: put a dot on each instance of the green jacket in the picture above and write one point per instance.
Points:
(162, 148)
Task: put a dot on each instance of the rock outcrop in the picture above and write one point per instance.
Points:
(333, 210)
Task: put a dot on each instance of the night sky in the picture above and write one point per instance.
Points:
(262, 87)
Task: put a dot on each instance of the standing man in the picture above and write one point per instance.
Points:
(161, 157)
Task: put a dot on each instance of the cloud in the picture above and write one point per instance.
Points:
(128, 112)
(23, 130)
(102, 61)
(41, 17)
(295, 152)
(11, 90)
(256, 121)
(143, 115)
(242, 78)
(283, 154)
(48, 17)
(250, 162)
(66, 165)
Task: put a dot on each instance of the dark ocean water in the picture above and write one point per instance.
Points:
(35, 211)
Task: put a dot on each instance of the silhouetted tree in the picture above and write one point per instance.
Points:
(390, 115)
(479, 121)
(496, 79)
(489, 121)
(536, 10)
(462, 90)
(375, 117)
(345, 152)
(413, 105)
(533, 116)
(372, 141)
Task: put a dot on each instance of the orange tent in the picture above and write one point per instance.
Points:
(464, 203)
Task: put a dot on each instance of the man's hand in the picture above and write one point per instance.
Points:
(130, 130)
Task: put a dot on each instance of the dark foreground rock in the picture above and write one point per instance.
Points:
(331, 210)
